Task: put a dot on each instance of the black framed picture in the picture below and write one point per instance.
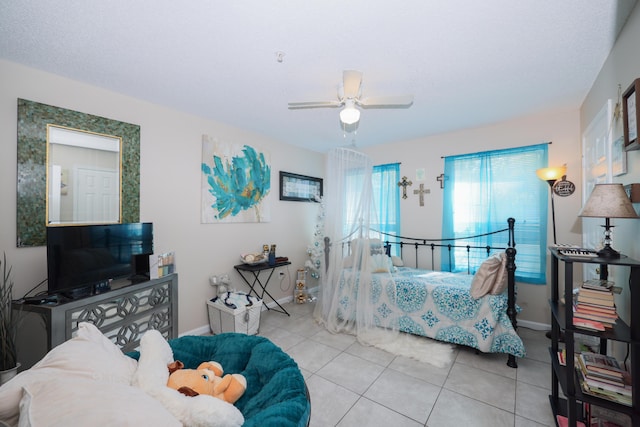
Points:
(300, 188)
(631, 115)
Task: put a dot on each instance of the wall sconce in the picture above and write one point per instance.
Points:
(608, 201)
(551, 175)
(349, 114)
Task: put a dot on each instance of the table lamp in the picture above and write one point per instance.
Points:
(608, 201)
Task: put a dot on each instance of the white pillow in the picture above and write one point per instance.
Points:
(376, 247)
(78, 401)
(397, 261)
(491, 277)
(347, 261)
(88, 355)
(381, 263)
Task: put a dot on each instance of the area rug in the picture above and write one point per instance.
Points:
(417, 348)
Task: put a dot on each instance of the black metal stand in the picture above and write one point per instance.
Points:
(553, 209)
(255, 270)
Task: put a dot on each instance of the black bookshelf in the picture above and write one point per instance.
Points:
(564, 377)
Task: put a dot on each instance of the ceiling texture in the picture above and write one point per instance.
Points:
(467, 63)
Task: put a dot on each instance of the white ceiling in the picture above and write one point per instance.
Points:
(467, 62)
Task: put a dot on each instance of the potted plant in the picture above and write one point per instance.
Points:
(8, 325)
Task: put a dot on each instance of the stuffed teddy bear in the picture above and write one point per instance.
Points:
(152, 376)
(206, 379)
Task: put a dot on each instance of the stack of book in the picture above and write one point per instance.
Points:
(597, 416)
(595, 308)
(602, 376)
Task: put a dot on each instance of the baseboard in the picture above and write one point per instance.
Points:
(201, 330)
(536, 326)
(280, 301)
(206, 329)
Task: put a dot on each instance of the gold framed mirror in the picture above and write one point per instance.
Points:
(35, 120)
(83, 177)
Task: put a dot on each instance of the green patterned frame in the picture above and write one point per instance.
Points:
(33, 118)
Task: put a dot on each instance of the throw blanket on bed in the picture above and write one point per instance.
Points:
(440, 306)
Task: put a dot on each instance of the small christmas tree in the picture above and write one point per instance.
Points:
(315, 264)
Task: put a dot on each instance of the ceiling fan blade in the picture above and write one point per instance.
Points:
(387, 101)
(314, 104)
(351, 80)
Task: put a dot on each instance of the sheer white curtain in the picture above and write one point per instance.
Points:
(347, 293)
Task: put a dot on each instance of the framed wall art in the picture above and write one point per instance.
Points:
(235, 182)
(300, 188)
(618, 158)
(631, 115)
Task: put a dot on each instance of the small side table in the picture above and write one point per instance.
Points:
(247, 270)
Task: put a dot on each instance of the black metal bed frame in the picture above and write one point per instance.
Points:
(432, 244)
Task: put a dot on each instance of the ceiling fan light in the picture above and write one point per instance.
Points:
(349, 115)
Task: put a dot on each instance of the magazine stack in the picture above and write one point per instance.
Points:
(602, 376)
(602, 417)
(594, 309)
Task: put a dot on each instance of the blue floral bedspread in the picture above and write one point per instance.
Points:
(439, 305)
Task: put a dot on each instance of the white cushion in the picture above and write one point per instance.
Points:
(78, 401)
(347, 262)
(376, 247)
(491, 277)
(381, 263)
(397, 261)
(88, 355)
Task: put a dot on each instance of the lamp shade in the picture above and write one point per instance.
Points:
(552, 174)
(349, 114)
(608, 201)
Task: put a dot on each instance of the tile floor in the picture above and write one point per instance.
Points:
(354, 385)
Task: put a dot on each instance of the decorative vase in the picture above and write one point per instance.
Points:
(5, 376)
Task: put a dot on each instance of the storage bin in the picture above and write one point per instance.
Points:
(234, 312)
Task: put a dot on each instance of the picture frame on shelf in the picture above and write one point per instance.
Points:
(631, 115)
(300, 188)
(618, 157)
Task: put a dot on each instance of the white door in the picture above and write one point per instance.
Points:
(96, 196)
(597, 142)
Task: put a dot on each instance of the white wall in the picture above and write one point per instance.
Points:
(170, 183)
(561, 128)
(169, 187)
(621, 67)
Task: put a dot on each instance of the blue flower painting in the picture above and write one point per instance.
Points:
(236, 181)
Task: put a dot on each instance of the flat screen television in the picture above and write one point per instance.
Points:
(83, 259)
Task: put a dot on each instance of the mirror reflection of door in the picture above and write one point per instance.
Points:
(83, 177)
(96, 196)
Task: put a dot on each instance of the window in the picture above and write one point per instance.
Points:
(387, 200)
(483, 190)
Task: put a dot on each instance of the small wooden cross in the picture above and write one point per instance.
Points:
(404, 183)
(422, 191)
(442, 179)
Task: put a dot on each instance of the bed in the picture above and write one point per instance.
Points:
(476, 310)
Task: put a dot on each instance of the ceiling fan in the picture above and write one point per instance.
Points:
(349, 96)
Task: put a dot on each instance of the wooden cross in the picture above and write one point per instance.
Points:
(422, 191)
(442, 179)
(404, 183)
